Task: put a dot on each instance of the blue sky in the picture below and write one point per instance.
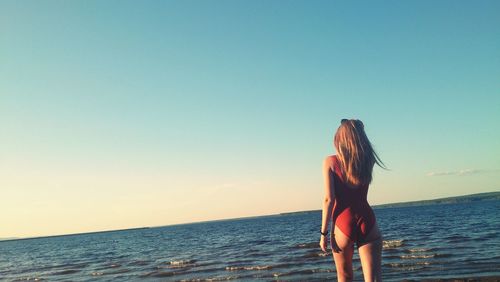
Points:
(118, 114)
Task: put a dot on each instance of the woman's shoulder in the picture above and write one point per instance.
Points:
(331, 158)
(330, 161)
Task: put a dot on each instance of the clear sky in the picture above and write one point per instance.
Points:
(119, 114)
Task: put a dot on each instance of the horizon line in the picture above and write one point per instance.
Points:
(222, 219)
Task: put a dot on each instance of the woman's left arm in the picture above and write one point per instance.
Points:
(328, 201)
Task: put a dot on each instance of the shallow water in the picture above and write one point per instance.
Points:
(438, 241)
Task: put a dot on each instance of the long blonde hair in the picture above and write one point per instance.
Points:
(355, 153)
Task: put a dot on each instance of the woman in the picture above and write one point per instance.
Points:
(347, 176)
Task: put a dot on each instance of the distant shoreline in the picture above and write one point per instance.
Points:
(72, 234)
(488, 196)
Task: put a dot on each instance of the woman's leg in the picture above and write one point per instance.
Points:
(370, 255)
(343, 260)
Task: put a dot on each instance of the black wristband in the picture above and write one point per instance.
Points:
(324, 234)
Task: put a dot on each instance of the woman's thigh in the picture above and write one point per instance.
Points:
(370, 255)
(343, 259)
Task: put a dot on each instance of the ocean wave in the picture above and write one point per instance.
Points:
(222, 278)
(442, 255)
(259, 242)
(159, 274)
(256, 254)
(385, 256)
(321, 270)
(307, 245)
(138, 263)
(419, 250)
(180, 263)
(96, 273)
(408, 266)
(29, 279)
(303, 272)
(488, 236)
(107, 266)
(423, 255)
(67, 271)
(297, 272)
(240, 261)
(392, 244)
(399, 264)
(315, 254)
(62, 266)
(254, 267)
(417, 256)
(457, 238)
(117, 271)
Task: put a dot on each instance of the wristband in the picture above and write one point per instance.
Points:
(324, 234)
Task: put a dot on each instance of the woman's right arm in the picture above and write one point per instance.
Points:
(329, 199)
(328, 203)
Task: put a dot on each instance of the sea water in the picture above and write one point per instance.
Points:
(421, 242)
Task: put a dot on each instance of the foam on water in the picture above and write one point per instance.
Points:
(255, 267)
(419, 250)
(392, 244)
(181, 263)
(417, 256)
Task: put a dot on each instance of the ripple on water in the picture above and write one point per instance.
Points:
(109, 266)
(423, 256)
(97, 273)
(457, 238)
(392, 244)
(215, 278)
(159, 274)
(66, 272)
(417, 265)
(418, 250)
(315, 255)
(310, 245)
(29, 279)
(182, 263)
(139, 263)
(259, 242)
(253, 267)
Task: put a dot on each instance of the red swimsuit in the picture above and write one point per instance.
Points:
(351, 212)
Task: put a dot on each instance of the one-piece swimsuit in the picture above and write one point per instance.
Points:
(351, 212)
